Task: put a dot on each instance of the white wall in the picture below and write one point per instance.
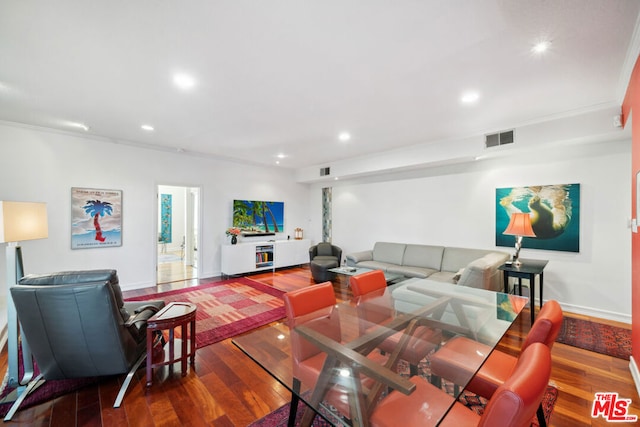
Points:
(454, 206)
(451, 205)
(41, 165)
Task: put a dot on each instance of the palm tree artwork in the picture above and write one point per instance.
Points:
(96, 209)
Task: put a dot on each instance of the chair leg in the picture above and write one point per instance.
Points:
(413, 370)
(127, 380)
(293, 407)
(436, 381)
(540, 414)
(31, 387)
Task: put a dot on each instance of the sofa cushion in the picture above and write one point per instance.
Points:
(443, 276)
(409, 271)
(390, 253)
(375, 265)
(454, 259)
(423, 256)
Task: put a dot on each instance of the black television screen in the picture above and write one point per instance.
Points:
(259, 217)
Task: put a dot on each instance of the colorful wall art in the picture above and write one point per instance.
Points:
(96, 218)
(555, 215)
(165, 218)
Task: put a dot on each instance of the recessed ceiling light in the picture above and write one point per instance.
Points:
(184, 81)
(344, 136)
(470, 97)
(147, 128)
(281, 156)
(541, 47)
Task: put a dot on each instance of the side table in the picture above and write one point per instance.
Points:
(173, 315)
(529, 269)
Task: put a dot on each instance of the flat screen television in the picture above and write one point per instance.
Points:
(258, 217)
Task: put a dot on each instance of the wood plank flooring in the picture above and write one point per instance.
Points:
(227, 389)
(175, 270)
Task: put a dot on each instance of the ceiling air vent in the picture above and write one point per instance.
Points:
(496, 139)
(325, 171)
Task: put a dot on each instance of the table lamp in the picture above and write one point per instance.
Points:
(519, 226)
(19, 221)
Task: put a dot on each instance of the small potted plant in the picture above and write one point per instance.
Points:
(234, 233)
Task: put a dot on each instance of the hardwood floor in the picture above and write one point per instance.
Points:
(174, 271)
(227, 389)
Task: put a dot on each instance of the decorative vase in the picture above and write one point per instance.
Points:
(234, 240)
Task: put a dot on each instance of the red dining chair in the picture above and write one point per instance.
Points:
(369, 288)
(513, 404)
(459, 357)
(314, 306)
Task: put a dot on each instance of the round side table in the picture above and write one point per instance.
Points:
(173, 315)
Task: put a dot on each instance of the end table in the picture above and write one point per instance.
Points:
(529, 269)
(173, 315)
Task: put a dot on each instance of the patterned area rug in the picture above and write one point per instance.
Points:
(280, 417)
(605, 339)
(227, 308)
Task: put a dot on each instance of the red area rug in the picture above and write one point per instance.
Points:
(605, 339)
(225, 309)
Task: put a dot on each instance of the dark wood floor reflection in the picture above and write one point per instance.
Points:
(227, 389)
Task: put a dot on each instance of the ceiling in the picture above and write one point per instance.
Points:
(286, 77)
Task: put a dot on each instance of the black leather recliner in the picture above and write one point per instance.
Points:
(322, 257)
(78, 325)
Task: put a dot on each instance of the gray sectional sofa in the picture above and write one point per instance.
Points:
(476, 268)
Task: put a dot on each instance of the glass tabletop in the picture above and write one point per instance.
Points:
(354, 271)
(354, 373)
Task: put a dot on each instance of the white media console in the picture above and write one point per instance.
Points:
(247, 257)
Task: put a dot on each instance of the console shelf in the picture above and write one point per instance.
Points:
(248, 257)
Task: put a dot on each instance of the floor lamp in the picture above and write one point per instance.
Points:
(19, 221)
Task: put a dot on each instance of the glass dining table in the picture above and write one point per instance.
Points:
(354, 366)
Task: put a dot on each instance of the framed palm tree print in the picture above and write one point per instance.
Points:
(96, 218)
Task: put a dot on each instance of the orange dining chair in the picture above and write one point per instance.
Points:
(368, 288)
(459, 357)
(315, 306)
(513, 404)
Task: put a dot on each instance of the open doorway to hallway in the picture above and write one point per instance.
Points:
(178, 233)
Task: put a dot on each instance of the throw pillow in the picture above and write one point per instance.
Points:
(456, 276)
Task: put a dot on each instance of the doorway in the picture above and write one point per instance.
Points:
(177, 234)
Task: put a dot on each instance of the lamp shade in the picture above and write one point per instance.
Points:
(520, 225)
(21, 221)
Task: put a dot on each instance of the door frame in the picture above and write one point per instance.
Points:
(193, 228)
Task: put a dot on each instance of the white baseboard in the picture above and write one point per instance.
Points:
(593, 312)
(635, 374)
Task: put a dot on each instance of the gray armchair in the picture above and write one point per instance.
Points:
(322, 257)
(77, 325)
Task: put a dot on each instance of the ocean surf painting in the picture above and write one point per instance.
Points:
(555, 215)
